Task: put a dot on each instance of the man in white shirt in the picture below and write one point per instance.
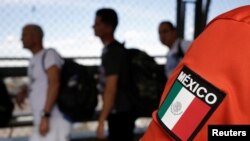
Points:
(177, 46)
(44, 76)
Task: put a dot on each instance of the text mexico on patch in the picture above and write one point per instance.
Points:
(188, 105)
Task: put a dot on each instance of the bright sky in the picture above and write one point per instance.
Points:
(68, 23)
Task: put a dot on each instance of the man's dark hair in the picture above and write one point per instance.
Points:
(108, 16)
(36, 28)
(172, 27)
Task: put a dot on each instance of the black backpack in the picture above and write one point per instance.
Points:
(6, 105)
(148, 81)
(77, 97)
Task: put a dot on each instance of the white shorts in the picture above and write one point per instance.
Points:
(59, 131)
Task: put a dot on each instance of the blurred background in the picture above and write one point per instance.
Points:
(68, 28)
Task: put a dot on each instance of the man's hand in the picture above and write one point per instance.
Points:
(100, 131)
(21, 97)
(44, 126)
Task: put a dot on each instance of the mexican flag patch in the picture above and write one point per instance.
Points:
(188, 105)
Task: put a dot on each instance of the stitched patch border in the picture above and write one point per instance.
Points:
(188, 105)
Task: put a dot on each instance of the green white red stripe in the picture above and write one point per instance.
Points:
(182, 111)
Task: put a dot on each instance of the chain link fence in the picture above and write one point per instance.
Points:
(68, 28)
(68, 25)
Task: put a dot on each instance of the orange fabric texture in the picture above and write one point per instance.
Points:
(220, 55)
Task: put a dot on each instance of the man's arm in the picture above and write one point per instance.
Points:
(53, 74)
(108, 102)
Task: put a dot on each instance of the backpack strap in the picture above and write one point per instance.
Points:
(43, 60)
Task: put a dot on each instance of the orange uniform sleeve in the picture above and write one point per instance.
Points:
(220, 55)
